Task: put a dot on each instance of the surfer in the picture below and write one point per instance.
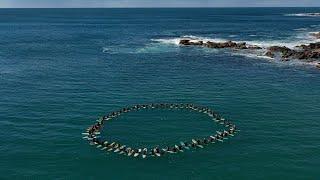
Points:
(174, 150)
(205, 141)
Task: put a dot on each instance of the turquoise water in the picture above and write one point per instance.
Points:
(60, 69)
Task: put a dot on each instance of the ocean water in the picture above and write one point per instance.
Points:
(60, 69)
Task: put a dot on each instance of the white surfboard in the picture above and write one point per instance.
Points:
(117, 150)
(121, 152)
(130, 153)
(200, 146)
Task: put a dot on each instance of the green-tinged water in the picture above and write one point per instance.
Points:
(60, 69)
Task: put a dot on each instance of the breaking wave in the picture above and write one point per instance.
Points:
(305, 14)
(291, 42)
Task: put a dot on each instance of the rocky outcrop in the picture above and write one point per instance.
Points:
(316, 35)
(269, 54)
(302, 52)
(254, 47)
(189, 42)
(311, 46)
(282, 50)
(218, 45)
(311, 51)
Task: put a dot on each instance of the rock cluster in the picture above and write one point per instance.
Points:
(316, 35)
(218, 45)
(302, 52)
(311, 51)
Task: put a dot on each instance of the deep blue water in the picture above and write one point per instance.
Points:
(60, 69)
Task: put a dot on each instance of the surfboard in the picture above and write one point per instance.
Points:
(121, 152)
(164, 149)
(99, 146)
(200, 146)
(117, 150)
(144, 156)
(184, 145)
(130, 153)
(103, 148)
(177, 147)
(136, 154)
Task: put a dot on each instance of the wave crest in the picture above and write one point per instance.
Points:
(304, 14)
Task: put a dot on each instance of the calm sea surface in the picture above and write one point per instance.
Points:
(60, 69)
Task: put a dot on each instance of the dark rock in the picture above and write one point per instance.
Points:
(241, 46)
(270, 54)
(184, 42)
(311, 46)
(318, 65)
(307, 55)
(311, 51)
(314, 46)
(188, 42)
(281, 49)
(316, 35)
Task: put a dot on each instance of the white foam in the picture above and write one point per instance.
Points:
(301, 29)
(304, 14)
(291, 62)
(253, 55)
(176, 41)
(292, 42)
